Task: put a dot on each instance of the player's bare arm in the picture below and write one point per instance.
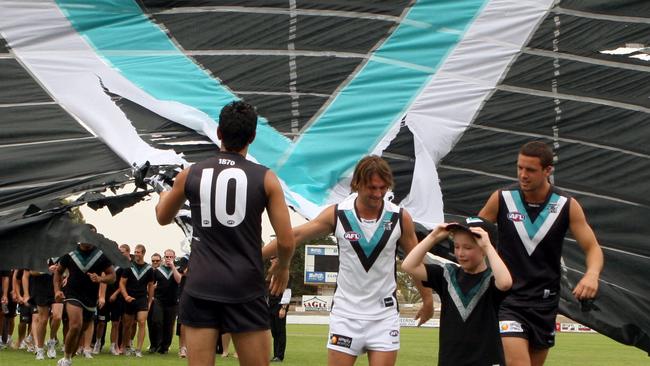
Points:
(5, 290)
(413, 264)
(125, 294)
(25, 284)
(408, 241)
(58, 278)
(101, 296)
(281, 223)
(502, 277)
(171, 201)
(107, 277)
(320, 226)
(491, 208)
(588, 285)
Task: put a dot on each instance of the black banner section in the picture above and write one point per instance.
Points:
(292, 62)
(48, 235)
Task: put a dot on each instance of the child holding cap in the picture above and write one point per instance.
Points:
(470, 293)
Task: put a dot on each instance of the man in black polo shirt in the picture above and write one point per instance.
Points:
(164, 307)
(137, 289)
(154, 336)
(225, 288)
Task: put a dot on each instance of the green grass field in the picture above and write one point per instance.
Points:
(306, 346)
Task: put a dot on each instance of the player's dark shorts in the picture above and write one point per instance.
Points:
(227, 318)
(26, 312)
(86, 313)
(104, 313)
(111, 311)
(535, 324)
(43, 291)
(135, 306)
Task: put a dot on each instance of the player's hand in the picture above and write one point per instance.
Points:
(53, 268)
(94, 277)
(279, 279)
(439, 232)
(101, 302)
(425, 313)
(282, 313)
(113, 297)
(4, 299)
(59, 296)
(129, 299)
(483, 240)
(24, 300)
(587, 287)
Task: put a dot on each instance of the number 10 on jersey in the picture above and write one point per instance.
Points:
(229, 197)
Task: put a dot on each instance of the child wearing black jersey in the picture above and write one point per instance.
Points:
(470, 292)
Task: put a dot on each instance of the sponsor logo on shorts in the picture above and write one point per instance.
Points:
(510, 326)
(351, 236)
(389, 302)
(341, 340)
(394, 333)
(516, 216)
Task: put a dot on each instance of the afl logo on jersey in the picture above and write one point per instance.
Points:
(516, 216)
(351, 236)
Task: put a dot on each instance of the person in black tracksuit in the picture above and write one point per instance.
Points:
(165, 304)
(279, 306)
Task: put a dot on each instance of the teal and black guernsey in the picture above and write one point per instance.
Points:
(138, 277)
(79, 264)
(469, 327)
(530, 244)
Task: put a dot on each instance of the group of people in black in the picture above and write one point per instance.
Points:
(83, 291)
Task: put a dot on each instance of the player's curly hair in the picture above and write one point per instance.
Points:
(237, 123)
(366, 167)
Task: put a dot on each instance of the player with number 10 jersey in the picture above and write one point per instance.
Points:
(226, 245)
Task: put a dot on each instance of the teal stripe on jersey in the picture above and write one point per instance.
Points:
(472, 293)
(532, 227)
(368, 246)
